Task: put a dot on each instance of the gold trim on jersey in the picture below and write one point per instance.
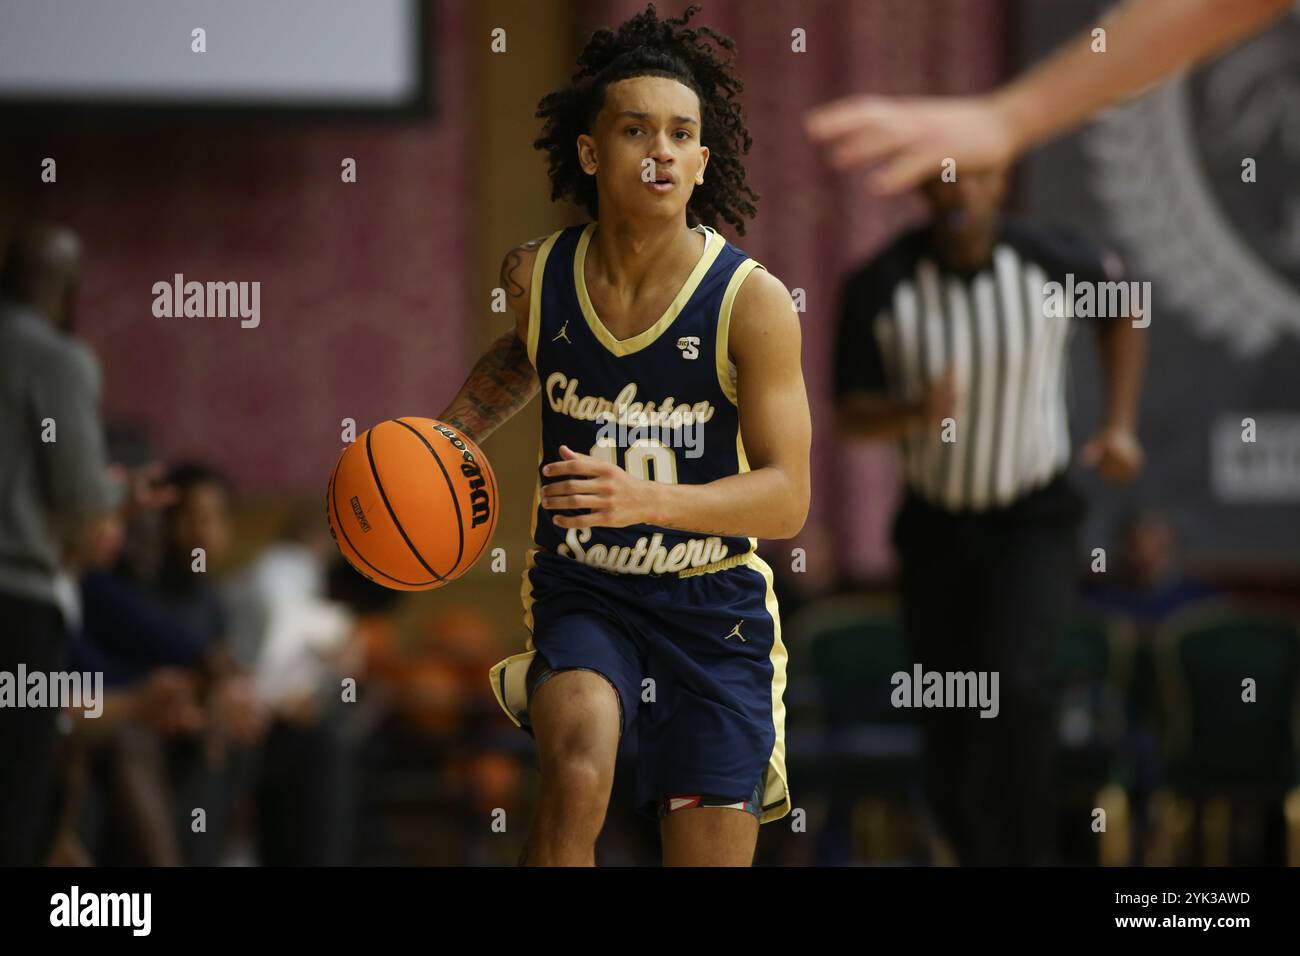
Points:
(535, 295)
(713, 245)
(776, 794)
(732, 562)
(721, 356)
(507, 676)
(742, 461)
(526, 588)
(508, 679)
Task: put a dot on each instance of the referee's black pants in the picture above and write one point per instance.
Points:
(31, 633)
(992, 592)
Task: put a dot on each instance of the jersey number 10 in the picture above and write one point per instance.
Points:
(645, 458)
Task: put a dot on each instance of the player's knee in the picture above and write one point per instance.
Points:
(576, 788)
(577, 775)
(575, 712)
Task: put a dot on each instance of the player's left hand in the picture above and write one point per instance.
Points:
(1115, 452)
(614, 497)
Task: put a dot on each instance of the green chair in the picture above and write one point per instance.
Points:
(853, 657)
(852, 745)
(1223, 752)
(1094, 665)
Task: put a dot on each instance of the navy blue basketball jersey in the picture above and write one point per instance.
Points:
(661, 405)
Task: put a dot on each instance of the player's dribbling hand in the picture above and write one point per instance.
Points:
(907, 138)
(614, 497)
(1115, 453)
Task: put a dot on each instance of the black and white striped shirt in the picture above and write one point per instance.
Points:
(905, 317)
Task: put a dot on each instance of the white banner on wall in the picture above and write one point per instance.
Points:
(339, 53)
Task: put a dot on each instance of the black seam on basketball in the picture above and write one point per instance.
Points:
(338, 521)
(451, 490)
(357, 551)
(391, 513)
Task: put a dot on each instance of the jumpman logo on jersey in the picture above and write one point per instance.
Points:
(563, 334)
(735, 632)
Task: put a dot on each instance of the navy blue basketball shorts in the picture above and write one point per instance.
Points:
(697, 664)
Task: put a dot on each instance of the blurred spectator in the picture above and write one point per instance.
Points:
(151, 636)
(442, 687)
(1149, 582)
(283, 587)
(209, 773)
(301, 643)
(54, 489)
(113, 765)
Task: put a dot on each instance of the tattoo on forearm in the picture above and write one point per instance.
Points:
(503, 380)
(501, 383)
(508, 282)
(510, 266)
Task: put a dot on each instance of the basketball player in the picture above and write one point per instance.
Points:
(649, 610)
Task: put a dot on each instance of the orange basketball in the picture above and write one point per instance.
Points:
(412, 504)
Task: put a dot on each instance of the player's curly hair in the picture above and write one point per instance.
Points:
(647, 46)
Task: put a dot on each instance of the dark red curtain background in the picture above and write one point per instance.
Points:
(813, 226)
(366, 287)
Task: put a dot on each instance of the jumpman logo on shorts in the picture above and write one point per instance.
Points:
(735, 632)
(563, 334)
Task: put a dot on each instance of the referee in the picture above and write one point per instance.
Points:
(946, 345)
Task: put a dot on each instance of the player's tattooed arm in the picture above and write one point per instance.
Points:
(768, 501)
(503, 380)
(512, 270)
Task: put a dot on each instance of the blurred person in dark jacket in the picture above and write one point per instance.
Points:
(208, 773)
(59, 500)
(1150, 582)
(118, 779)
